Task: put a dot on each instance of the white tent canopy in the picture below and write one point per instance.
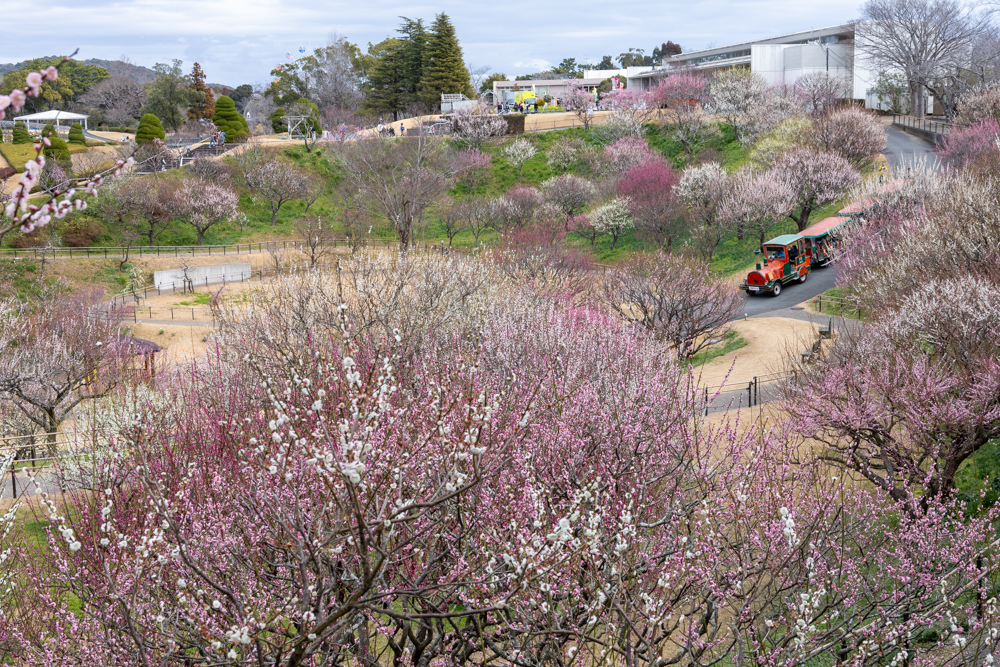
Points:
(54, 116)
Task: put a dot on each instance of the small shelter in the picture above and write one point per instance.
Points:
(53, 116)
(144, 350)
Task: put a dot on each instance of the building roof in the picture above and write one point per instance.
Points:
(528, 83)
(138, 346)
(784, 239)
(53, 114)
(824, 226)
(780, 39)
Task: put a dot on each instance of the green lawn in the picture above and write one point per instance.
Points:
(17, 154)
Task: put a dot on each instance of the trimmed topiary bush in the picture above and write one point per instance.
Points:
(76, 134)
(227, 119)
(149, 129)
(57, 150)
(21, 135)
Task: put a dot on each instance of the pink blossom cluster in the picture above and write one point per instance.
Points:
(537, 487)
(28, 216)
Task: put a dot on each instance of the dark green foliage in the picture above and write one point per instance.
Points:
(277, 119)
(386, 89)
(412, 60)
(229, 120)
(20, 135)
(74, 79)
(169, 96)
(444, 68)
(57, 150)
(149, 129)
(241, 95)
(76, 135)
(286, 85)
(488, 81)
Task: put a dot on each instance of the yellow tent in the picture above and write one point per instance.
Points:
(523, 97)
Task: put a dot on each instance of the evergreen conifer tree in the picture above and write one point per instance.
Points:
(229, 120)
(76, 134)
(411, 60)
(205, 107)
(57, 148)
(149, 129)
(444, 68)
(385, 89)
(20, 135)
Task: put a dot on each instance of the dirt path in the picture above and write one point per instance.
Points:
(772, 342)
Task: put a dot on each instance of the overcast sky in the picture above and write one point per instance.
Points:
(240, 41)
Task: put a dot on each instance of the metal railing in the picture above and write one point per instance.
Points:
(935, 127)
(735, 390)
(836, 305)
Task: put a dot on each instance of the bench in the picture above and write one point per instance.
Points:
(826, 331)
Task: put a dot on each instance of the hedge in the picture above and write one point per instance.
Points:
(17, 154)
(515, 123)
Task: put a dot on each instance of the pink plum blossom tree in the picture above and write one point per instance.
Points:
(816, 178)
(649, 189)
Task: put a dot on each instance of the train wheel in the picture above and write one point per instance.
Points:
(777, 289)
(803, 276)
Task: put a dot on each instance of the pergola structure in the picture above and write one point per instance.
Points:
(53, 116)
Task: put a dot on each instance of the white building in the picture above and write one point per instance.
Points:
(785, 58)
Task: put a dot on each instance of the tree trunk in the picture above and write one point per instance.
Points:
(201, 236)
(916, 107)
(274, 215)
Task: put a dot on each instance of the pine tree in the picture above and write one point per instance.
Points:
(76, 134)
(444, 68)
(205, 107)
(149, 129)
(20, 135)
(412, 59)
(57, 149)
(386, 87)
(229, 120)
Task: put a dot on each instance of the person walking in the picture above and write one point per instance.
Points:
(402, 130)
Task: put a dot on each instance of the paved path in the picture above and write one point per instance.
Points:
(792, 294)
(903, 148)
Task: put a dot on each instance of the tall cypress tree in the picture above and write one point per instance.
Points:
(412, 59)
(444, 68)
(205, 107)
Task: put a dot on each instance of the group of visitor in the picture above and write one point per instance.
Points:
(218, 138)
(389, 131)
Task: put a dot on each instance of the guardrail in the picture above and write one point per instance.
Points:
(935, 128)
(839, 306)
(116, 252)
(752, 389)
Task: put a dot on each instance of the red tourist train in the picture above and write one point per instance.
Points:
(791, 257)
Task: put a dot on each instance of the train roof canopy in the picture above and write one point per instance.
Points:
(858, 207)
(784, 239)
(823, 227)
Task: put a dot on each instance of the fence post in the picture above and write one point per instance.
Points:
(13, 481)
(706, 401)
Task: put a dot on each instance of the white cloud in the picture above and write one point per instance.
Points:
(240, 41)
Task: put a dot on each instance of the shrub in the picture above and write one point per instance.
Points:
(149, 129)
(21, 135)
(81, 233)
(515, 124)
(57, 150)
(229, 120)
(76, 135)
(968, 144)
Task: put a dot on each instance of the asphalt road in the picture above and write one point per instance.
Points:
(819, 281)
(903, 149)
